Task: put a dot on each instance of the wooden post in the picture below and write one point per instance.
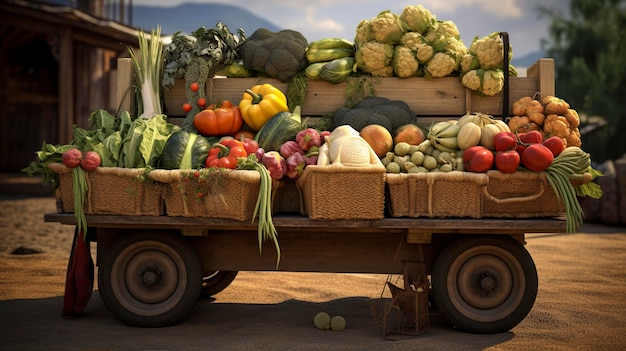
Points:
(543, 69)
(66, 85)
(123, 89)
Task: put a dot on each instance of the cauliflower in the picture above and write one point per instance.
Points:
(363, 33)
(425, 53)
(279, 55)
(417, 18)
(452, 46)
(489, 50)
(386, 71)
(468, 63)
(412, 40)
(445, 28)
(440, 65)
(386, 28)
(485, 82)
(374, 56)
(404, 62)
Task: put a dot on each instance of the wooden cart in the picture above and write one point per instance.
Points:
(152, 269)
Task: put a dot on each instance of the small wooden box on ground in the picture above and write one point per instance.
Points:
(342, 192)
(111, 191)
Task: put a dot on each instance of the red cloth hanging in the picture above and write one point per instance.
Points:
(79, 280)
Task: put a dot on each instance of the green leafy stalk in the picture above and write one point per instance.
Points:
(79, 188)
(148, 69)
(263, 207)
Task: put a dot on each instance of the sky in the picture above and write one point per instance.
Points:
(317, 19)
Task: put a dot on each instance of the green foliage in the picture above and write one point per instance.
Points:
(589, 46)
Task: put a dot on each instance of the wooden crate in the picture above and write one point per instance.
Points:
(438, 98)
(441, 97)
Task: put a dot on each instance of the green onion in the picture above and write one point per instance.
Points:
(148, 69)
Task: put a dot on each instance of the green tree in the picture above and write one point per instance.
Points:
(588, 45)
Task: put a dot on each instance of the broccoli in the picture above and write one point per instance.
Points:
(396, 114)
(358, 118)
(279, 55)
(338, 117)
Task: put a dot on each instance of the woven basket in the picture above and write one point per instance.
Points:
(342, 192)
(520, 195)
(452, 194)
(111, 191)
(230, 194)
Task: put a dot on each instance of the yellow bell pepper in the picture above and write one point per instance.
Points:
(260, 103)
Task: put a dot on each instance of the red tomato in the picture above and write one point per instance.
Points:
(532, 137)
(477, 159)
(194, 86)
(186, 107)
(555, 144)
(243, 134)
(201, 102)
(537, 157)
(507, 161)
(505, 141)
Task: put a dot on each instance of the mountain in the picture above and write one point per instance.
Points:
(188, 17)
(528, 59)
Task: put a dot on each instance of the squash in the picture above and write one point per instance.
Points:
(282, 127)
(184, 150)
(468, 136)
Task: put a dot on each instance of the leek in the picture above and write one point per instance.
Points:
(148, 69)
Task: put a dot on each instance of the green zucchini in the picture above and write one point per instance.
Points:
(282, 127)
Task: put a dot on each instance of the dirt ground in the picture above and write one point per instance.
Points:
(581, 303)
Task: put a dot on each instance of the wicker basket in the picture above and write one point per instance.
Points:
(230, 194)
(520, 195)
(111, 191)
(452, 194)
(342, 192)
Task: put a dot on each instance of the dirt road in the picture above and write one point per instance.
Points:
(580, 305)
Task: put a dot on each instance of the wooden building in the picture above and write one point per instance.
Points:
(58, 65)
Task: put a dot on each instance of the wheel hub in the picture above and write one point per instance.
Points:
(487, 283)
(150, 276)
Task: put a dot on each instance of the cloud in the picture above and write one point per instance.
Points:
(499, 8)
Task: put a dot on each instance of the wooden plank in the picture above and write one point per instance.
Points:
(306, 252)
(283, 222)
(123, 91)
